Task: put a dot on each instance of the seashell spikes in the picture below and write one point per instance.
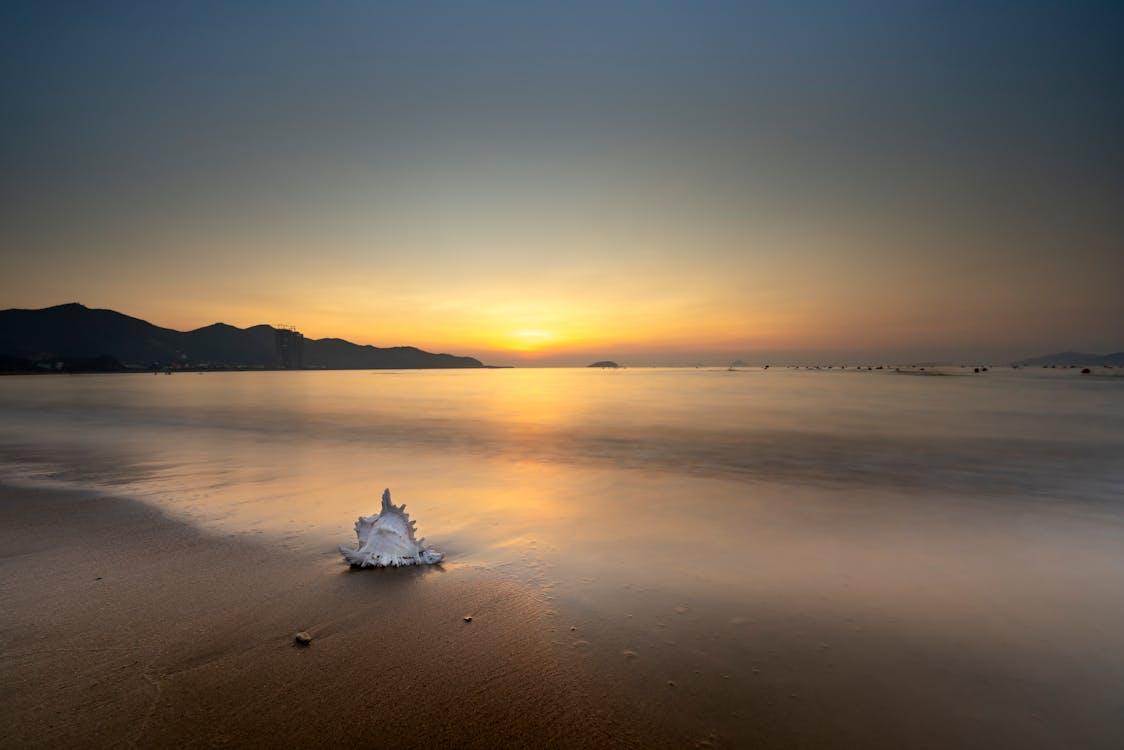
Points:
(387, 539)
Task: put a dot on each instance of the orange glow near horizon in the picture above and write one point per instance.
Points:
(643, 304)
(531, 341)
(555, 328)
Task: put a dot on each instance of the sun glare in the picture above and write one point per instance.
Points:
(531, 340)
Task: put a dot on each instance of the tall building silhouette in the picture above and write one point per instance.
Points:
(290, 348)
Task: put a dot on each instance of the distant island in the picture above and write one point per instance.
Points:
(75, 338)
(605, 363)
(1069, 359)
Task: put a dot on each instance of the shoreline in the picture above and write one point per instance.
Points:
(124, 627)
(127, 627)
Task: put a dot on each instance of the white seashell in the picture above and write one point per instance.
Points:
(386, 539)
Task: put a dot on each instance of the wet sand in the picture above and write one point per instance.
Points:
(123, 627)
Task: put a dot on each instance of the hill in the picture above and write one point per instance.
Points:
(74, 333)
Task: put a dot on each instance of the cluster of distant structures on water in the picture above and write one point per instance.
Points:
(918, 369)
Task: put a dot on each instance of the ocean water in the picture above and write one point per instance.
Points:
(894, 540)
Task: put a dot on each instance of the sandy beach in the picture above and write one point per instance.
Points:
(124, 628)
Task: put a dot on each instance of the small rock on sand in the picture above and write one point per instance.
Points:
(468, 618)
(303, 638)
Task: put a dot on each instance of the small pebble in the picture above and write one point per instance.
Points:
(303, 638)
(468, 618)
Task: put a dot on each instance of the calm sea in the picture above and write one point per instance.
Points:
(701, 514)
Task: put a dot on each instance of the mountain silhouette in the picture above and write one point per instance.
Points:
(74, 332)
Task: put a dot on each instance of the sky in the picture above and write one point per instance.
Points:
(553, 183)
